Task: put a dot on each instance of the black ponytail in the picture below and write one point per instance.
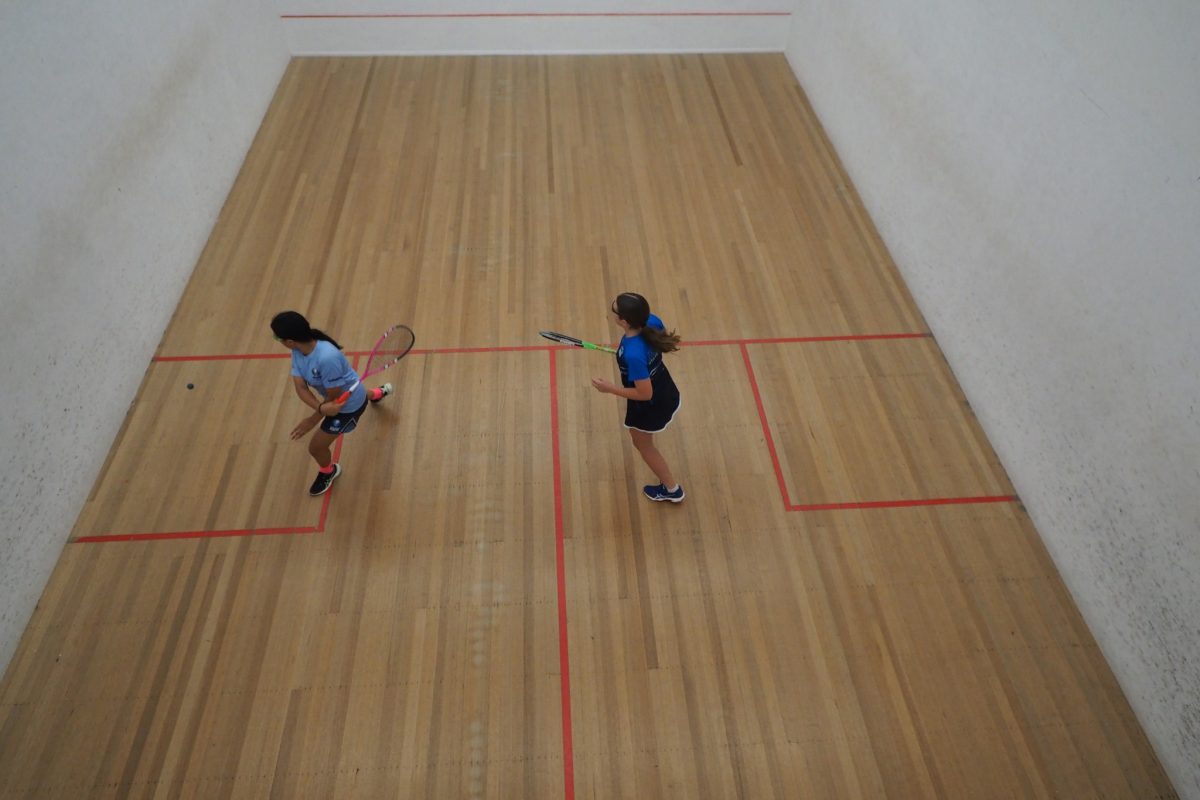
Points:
(292, 325)
(324, 337)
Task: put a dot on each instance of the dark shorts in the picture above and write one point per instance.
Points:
(344, 422)
(655, 414)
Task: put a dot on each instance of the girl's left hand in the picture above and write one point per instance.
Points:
(603, 386)
(306, 425)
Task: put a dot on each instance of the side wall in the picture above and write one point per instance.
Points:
(122, 135)
(405, 27)
(1035, 169)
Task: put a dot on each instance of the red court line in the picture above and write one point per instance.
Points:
(541, 348)
(762, 416)
(564, 661)
(933, 501)
(510, 15)
(328, 498)
(863, 337)
(416, 351)
(551, 349)
(233, 357)
(531, 348)
(783, 490)
(142, 537)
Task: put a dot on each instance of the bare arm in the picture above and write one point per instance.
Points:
(642, 389)
(322, 406)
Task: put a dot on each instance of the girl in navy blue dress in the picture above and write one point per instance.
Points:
(646, 384)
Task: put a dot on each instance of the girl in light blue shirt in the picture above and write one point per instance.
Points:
(318, 362)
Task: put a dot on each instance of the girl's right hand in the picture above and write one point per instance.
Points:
(306, 425)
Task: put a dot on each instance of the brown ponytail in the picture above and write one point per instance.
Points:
(634, 309)
(662, 341)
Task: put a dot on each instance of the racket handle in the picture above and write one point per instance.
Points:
(346, 394)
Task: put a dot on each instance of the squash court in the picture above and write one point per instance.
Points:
(851, 601)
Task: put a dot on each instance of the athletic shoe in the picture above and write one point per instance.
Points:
(386, 389)
(660, 492)
(324, 481)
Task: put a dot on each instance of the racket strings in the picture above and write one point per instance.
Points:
(390, 350)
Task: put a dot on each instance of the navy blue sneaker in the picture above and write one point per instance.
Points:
(660, 492)
(324, 481)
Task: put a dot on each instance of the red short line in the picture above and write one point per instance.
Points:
(141, 537)
(762, 417)
(417, 351)
(230, 357)
(564, 661)
(543, 348)
(935, 501)
(494, 15)
(534, 348)
(866, 337)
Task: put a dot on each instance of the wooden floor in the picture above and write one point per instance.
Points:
(850, 602)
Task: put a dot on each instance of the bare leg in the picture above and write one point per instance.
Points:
(644, 442)
(318, 447)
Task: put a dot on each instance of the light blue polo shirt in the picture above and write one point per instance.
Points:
(327, 368)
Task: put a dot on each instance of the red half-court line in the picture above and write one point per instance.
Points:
(783, 490)
(542, 14)
(564, 661)
(337, 454)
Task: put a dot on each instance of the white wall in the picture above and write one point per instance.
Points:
(122, 127)
(533, 26)
(1034, 167)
